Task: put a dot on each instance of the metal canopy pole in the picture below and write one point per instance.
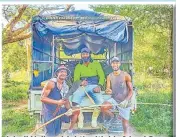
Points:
(115, 49)
(53, 54)
(109, 54)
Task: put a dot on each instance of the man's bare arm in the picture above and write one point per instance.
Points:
(108, 85)
(46, 90)
(129, 85)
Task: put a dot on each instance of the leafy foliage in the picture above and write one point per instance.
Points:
(153, 48)
(14, 57)
(16, 30)
(153, 33)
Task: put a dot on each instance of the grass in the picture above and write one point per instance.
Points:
(150, 119)
(14, 94)
(17, 122)
(14, 91)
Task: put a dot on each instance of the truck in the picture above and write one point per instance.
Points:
(58, 38)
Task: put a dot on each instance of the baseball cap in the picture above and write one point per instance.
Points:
(115, 59)
(85, 50)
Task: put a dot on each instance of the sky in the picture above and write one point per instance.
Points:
(82, 7)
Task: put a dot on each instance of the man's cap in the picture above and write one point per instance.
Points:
(63, 67)
(115, 59)
(85, 50)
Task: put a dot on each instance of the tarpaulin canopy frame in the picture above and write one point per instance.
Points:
(45, 28)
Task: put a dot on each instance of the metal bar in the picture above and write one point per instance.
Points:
(132, 53)
(115, 49)
(121, 52)
(64, 59)
(39, 61)
(42, 51)
(53, 56)
(32, 65)
(109, 54)
(127, 62)
(125, 52)
(59, 53)
(45, 53)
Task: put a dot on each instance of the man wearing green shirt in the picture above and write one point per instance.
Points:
(92, 78)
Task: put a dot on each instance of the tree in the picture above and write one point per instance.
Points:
(153, 33)
(17, 30)
(19, 19)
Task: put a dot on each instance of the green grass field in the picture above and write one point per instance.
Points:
(148, 119)
(17, 122)
(16, 119)
(153, 119)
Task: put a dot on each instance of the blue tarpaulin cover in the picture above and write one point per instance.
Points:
(77, 29)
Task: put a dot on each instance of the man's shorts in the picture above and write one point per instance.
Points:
(123, 112)
(79, 94)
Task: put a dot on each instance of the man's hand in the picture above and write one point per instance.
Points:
(84, 83)
(69, 112)
(97, 89)
(108, 91)
(124, 103)
(61, 102)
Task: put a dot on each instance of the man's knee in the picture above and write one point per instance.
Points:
(74, 116)
(125, 123)
(77, 112)
(78, 96)
(106, 106)
(76, 109)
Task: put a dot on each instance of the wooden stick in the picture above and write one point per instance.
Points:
(92, 101)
